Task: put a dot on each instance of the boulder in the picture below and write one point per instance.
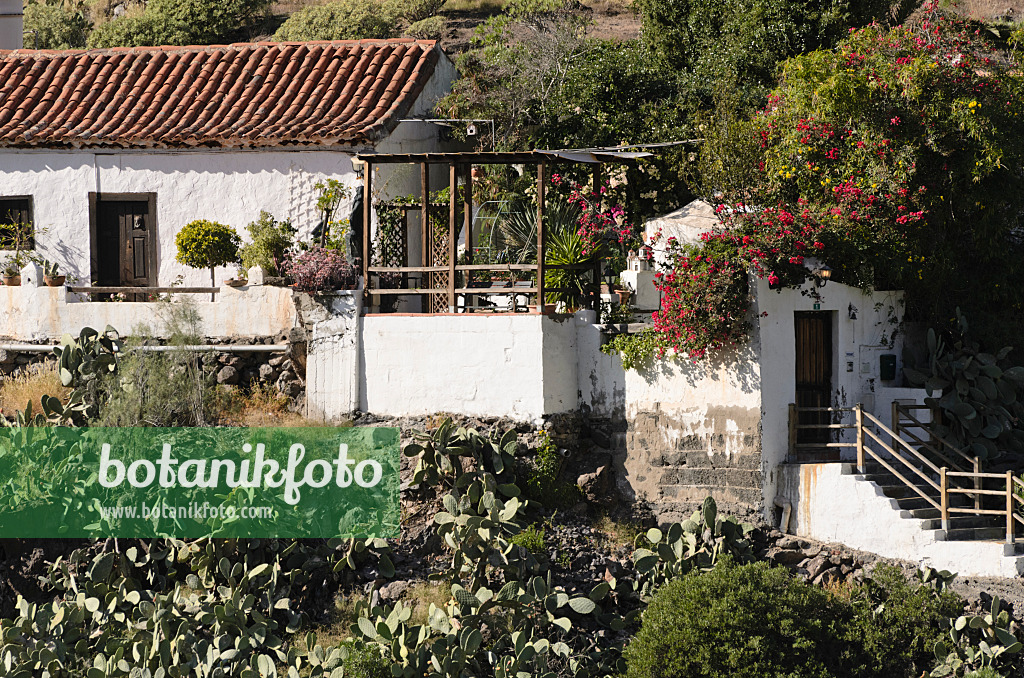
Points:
(228, 375)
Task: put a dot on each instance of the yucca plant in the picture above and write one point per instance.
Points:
(567, 247)
(518, 228)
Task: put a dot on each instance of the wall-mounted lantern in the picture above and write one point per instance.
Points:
(822, 274)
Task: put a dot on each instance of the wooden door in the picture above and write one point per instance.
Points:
(813, 372)
(124, 245)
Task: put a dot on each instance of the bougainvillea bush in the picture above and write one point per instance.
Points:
(320, 270)
(704, 305)
(896, 159)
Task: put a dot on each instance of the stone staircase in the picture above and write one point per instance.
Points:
(912, 506)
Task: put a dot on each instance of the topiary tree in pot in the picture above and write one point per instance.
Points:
(207, 244)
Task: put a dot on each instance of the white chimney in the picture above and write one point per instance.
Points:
(11, 25)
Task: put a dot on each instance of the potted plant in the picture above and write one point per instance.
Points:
(11, 273)
(320, 270)
(19, 238)
(239, 280)
(51, 274)
(207, 244)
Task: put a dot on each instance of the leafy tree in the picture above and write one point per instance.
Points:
(340, 20)
(54, 26)
(735, 45)
(901, 148)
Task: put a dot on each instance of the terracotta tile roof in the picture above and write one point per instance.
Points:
(245, 95)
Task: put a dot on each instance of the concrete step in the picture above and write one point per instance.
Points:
(976, 534)
(957, 523)
(914, 503)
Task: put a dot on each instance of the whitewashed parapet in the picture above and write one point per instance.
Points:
(332, 353)
(29, 312)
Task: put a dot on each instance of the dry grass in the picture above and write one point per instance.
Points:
(31, 384)
(339, 628)
(617, 533)
(838, 588)
(263, 405)
(287, 7)
(421, 595)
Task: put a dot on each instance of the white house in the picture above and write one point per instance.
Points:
(109, 152)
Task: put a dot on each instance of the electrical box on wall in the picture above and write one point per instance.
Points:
(887, 366)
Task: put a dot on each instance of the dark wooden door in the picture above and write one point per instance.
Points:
(124, 244)
(813, 372)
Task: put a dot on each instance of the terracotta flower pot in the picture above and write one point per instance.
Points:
(12, 280)
(624, 296)
(235, 282)
(54, 280)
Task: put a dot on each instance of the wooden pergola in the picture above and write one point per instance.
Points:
(462, 164)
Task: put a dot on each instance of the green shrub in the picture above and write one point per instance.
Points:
(147, 28)
(413, 11)
(206, 244)
(270, 241)
(431, 28)
(737, 621)
(542, 479)
(898, 622)
(531, 539)
(183, 22)
(205, 22)
(364, 661)
(54, 27)
(162, 389)
(340, 20)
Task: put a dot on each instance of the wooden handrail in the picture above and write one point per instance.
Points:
(871, 430)
(906, 463)
(906, 482)
(887, 431)
(901, 408)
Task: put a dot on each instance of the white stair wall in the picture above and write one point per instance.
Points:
(829, 503)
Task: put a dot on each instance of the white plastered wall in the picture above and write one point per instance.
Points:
(513, 365)
(28, 312)
(868, 520)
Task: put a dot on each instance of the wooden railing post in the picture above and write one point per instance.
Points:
(895, 422)
(425, 243)
(367, 212)
(453, 232)
(541, 251)
(858, 410)
(1009, 507)
(977, 483)
(792, 431)
(944, 498)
